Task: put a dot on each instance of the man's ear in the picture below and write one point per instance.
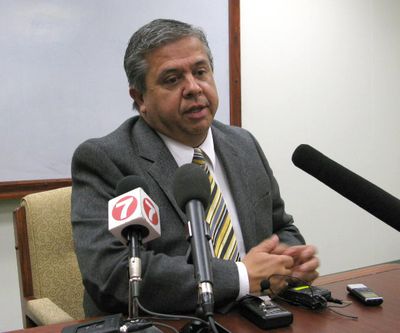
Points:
(137, 96)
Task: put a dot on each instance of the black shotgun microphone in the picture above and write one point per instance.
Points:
(363, 193)
(192, 193)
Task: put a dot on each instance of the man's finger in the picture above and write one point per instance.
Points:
(268, 245)
(309, 265)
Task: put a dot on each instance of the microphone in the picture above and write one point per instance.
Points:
(192, 193)
(358, 190)
(133, 209)
(133, 218)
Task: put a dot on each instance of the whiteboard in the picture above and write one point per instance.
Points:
(62, 76)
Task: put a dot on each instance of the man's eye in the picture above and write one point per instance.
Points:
(201, 72)
(171, 80)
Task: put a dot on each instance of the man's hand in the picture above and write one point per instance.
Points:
(261, 263)
(305, 261)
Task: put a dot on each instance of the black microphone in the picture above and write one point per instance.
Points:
(192, 193)
(134, 233)
(134, 219)
(363, 193)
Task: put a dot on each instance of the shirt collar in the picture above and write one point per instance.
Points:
(184, 154)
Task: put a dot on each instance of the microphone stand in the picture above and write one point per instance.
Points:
(134, 323)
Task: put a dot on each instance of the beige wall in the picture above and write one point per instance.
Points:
(327, 73)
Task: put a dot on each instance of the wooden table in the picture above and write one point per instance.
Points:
(383, 279)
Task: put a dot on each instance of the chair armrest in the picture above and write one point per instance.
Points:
(44, 312)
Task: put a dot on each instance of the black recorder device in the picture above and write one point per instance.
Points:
(108, 324)
(308, 296)
(264, 313)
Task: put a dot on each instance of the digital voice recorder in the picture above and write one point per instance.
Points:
(264, 313)
(364, 294)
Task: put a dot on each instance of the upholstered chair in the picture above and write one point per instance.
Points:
(50, 281)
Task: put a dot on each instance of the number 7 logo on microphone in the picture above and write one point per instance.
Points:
(133, 208)
(124, 208)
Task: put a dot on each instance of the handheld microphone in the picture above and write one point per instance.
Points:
(133, 218)
(133, 209)
(192, 193)
(363, 193)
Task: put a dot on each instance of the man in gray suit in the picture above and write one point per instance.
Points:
(170, 72)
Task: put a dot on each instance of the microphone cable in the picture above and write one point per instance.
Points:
(211, 322)
(161, 316)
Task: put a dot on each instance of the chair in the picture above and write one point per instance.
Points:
(50, 281)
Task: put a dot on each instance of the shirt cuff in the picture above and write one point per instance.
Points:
(244, 287)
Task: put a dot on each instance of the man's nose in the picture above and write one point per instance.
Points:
(192, 87)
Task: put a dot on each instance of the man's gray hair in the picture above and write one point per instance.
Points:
(155, 34)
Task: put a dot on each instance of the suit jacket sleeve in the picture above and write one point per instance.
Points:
(259, 205)
(282, 222)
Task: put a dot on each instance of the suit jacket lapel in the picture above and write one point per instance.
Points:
(161, 166)
(231, 157)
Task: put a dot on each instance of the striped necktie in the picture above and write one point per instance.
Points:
(221, 230)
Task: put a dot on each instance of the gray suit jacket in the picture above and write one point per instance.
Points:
(168, 280)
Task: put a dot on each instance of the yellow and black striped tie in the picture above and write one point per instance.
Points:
(221, 230)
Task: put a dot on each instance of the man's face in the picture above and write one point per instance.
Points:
(181, 98)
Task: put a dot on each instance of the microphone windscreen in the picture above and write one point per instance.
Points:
(336, 176)
(308, 159)
(129, 183)
(347, 183)
(191, 183)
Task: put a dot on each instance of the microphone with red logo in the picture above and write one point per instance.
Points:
(133, 209)
(134, 219)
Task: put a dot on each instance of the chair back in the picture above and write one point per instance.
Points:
(47, 259)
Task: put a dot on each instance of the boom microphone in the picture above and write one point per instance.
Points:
(192, 193)
(363, 193)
